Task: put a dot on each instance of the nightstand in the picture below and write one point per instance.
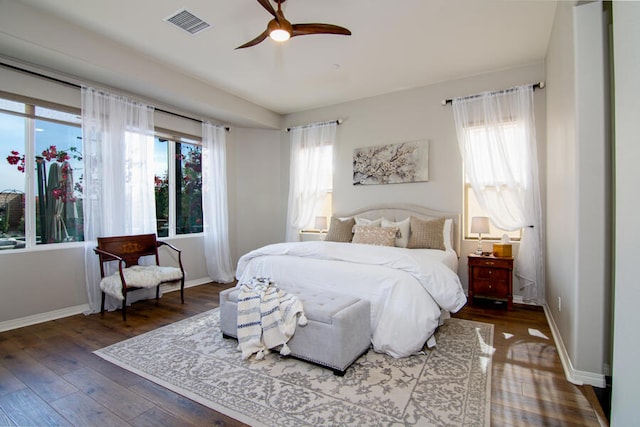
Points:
(491, 277)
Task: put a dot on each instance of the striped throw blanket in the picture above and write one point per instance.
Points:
(267, 318)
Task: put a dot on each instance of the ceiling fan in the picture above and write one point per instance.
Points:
(279, 29)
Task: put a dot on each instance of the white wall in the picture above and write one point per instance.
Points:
(411, 115)
(626, 371)
(260, 199)
(578, 190)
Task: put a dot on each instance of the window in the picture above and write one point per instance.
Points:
(41, 200)
(493, 180)
(178, 186)
(40, 175)
(323, 209)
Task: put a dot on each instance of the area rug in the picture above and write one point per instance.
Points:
(449, 385)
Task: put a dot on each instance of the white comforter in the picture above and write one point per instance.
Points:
(407, 288)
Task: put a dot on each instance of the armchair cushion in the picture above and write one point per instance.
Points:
(139, 276)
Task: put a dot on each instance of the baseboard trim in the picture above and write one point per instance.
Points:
(78, 309)
(42, 317)
(573, 375)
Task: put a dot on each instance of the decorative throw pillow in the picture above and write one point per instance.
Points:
(340, 230)
(372, 235)
(404, 226)
(365, 221)
(427, 234)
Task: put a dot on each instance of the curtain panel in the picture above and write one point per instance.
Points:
(214, 203)
(310, 177)
(118, 143)
(497, 139)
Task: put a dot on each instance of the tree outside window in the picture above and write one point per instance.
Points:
(179, 199)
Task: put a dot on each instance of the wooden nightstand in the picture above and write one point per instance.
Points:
(491, 277)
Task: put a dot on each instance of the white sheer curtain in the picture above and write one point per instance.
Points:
(497, 138)
(310, 173)
(118, 142)
(214, 203)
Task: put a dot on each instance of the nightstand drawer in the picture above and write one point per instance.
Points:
(492, 262)
(491, 289)
(491, 273)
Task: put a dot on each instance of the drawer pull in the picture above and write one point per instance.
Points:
(489, 262)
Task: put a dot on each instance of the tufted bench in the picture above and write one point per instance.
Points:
(337, 332)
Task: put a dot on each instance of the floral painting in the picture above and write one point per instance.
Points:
(391, 163)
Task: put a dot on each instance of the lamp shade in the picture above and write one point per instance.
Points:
(320, 223)
(480, 224)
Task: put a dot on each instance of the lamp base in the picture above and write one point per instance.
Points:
(479, 248)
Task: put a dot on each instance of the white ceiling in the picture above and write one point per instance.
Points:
(396, 44)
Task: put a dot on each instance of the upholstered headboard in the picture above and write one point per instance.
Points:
(399, 212)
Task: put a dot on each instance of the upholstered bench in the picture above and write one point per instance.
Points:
(338, 330)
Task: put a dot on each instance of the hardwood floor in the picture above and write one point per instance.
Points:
(528, 384)
(49, 376)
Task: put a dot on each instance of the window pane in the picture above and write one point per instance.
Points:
(48, 113)
(58, 183)
(12, 178)
(18, 107)
(474, 209)
(161, 185)
(188, 188)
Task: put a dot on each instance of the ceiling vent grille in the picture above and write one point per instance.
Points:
(187, 21)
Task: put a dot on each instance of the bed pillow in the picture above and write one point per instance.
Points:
(448, 235)
(427, 234)
(339, 230)
(404, 227)
(372, 222)
(375, 235)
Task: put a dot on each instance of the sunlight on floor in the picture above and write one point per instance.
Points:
(537, 333)
(486, 350)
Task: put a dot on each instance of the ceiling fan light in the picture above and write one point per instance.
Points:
(279, 35)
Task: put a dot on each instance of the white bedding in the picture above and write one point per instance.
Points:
(407, 288)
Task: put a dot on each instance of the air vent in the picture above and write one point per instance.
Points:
(187, 21)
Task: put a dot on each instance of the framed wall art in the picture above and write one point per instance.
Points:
(391, 163)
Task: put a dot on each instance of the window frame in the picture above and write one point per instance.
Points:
(495, 233)
(30, 117)
(172, 139)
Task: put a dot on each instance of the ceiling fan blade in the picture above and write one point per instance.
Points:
(306, 29)
(267, 5)
(255, 41)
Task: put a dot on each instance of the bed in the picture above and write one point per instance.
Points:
(410, 280)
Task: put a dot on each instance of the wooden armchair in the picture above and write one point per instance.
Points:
(126, 251)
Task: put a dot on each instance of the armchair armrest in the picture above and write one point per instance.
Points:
(103, 252)
(179, 251)
(163, 243)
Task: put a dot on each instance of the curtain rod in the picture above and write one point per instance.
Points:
(337, 121)
(77, 86)
(539, 85)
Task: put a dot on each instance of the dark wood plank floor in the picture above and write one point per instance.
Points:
(49, 376)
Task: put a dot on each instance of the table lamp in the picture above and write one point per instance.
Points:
(479, 224)
(320, 223)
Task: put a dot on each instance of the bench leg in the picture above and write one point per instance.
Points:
(124, 307)
(182, 289)
(102, 305)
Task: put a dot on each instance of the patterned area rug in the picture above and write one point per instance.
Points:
(449, 385)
